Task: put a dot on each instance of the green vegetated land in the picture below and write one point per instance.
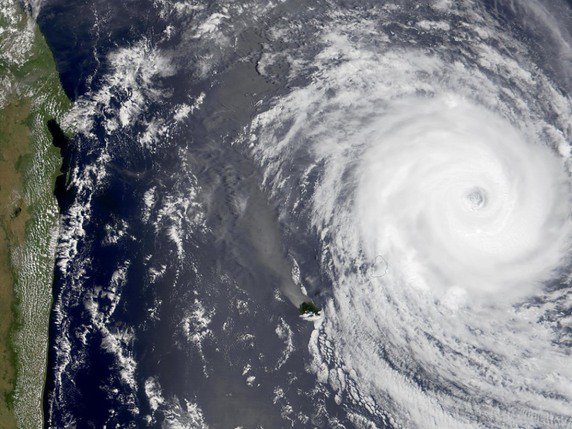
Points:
(309, 307)
(30, 95)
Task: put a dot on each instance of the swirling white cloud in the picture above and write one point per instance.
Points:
(451, 165)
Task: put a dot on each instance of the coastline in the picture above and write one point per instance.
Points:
(30, 96)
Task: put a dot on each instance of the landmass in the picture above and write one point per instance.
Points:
(30, 96)
(310, 308)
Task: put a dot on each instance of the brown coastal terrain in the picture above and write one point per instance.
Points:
(30, 95)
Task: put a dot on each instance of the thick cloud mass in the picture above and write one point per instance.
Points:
(458, 200)
(436, 176)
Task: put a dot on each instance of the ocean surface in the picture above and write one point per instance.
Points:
(230, 158)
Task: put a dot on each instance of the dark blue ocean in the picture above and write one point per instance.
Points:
(190, 332)
(178, 273)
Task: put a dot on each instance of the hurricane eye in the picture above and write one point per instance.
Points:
(476, 198)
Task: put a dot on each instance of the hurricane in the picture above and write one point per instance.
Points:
(430, 161)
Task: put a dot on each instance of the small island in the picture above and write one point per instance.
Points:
(309, 307)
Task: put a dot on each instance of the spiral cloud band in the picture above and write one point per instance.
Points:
(449, 167)
(460, 200)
